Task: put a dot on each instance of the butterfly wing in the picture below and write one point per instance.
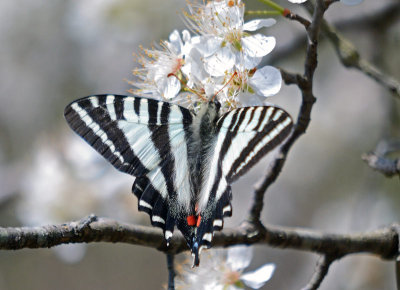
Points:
(145, 138)
(243, 137)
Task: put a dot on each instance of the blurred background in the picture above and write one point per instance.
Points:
(53, 52)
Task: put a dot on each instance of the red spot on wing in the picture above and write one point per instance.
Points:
(191, 220)
(198, 221)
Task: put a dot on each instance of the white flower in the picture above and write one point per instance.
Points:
(218, 64)
(223, 270)
(224, 40)
(159, 75)
(248, 87)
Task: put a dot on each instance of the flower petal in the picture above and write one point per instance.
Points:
(193, 69)
(207, 45)
(220, 62)
(351, 2)
(249, 62)
(258, 45)
(256, 24)
(186, 35)
(297, 1)
(169, 87)
(250, 100)
(175, 42)
(259, 277)
(266, 81)
(239, 257)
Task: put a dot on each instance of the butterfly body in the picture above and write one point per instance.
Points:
(183, 162)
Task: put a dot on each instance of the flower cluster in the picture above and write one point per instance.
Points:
(223, 269)
(217, 63)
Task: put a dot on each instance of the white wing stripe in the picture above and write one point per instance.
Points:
(129, 112)
(227, 208)
(90, 123)
(217, 223)
(168, 235)
(246, 120)
(145, 204)
(266, 118)
(159, 110)
(179, 151)
(157, 219)
(227, 120)
(277, 115)
(207, 237)
(279, 128)
(110, 107)
(94, 101)
(250, 127)
(144, 111)
(206, 188)
(237, 119)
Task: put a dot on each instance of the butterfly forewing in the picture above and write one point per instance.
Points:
(145, 138)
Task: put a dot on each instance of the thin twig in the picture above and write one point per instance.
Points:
(305, 83)
(351, 58)
(396, 228)
(320, 273)
(386, 166)
(171, 271)
(379, 161)
(295, 17)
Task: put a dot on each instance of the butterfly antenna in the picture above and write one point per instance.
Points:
(230, 80)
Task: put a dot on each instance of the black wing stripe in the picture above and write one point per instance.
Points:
(219, 183)
(97, 128)
(212, 184)
(241, 141)
(161, 140)
(259, 146)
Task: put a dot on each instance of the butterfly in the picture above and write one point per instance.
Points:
(184, 162)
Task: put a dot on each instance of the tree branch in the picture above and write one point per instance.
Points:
(320, 273)
(382, 242)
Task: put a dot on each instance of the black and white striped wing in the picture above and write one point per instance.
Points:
(142, 137)
(243, 137)
(250, 133)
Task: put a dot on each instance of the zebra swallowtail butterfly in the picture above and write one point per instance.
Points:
(183, 162)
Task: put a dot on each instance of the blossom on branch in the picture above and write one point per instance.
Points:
(218, 63)
(223, 270)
